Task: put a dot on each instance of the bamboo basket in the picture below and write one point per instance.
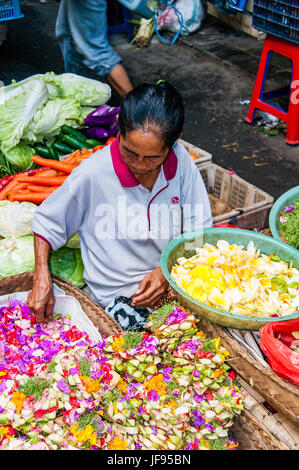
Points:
(102, 321)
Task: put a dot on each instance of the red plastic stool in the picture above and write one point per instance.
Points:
(259, 97)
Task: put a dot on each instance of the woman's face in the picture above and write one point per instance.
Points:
(144, 152)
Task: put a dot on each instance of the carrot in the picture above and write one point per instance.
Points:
(57, 181)
(17, 189)
(38, 189)
(8, 188)
(35, 198)
(50, 173)
(56, 165)
(97, 147)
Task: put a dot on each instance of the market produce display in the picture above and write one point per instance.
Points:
(289, 224)
(237, 280)
(36, 185)
(165, 389)
(33, 112)
(17, 246)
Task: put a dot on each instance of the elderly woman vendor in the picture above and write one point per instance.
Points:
(126, 202)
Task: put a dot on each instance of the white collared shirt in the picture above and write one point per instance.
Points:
(123, 226)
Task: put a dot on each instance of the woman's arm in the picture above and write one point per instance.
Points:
(41, 298)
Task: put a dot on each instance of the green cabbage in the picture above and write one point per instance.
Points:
(86, 91)
(67, 263)
(16, 218)
(20, 156)
(16, 255)
(51, 117)
(18, 105)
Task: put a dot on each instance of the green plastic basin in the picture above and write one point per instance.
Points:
(284, 200)
(185, 246)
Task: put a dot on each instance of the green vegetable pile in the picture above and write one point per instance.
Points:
(33, 112)
(289, 229)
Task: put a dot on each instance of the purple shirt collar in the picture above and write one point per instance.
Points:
(124, 174)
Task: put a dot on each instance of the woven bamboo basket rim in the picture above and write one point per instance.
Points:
(281, 394)
(105, 324)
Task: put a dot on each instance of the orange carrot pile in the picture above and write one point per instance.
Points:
(38, 187)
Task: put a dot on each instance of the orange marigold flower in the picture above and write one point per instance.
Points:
(117, 444)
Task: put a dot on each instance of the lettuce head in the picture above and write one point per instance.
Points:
(18, 105)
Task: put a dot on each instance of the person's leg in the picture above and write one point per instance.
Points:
(87, 20)
(118, 80)
(73, 61)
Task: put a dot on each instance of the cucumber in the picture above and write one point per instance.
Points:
(42, 151)
(61, 148)
(90, 143)
(53, 154)
(74, 133)
(73, 142)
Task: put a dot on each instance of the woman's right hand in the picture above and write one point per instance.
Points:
(41, 299)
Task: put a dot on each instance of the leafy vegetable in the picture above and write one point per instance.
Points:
(16, 255)
(35, 387)
(16, 218)
(20, 156)
(67, 263)
(132, 339)
(86, 91)
(290, 229)
(51, 117)
(84, 367)
(18, 105)
(74, 241)
(6, 168)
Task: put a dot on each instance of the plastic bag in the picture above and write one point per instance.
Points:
(275, 341)
(192, 12)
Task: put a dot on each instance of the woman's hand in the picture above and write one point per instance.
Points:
(41, 299)
(150, 290)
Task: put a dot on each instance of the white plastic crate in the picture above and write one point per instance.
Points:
(203, 156)
(250, 204)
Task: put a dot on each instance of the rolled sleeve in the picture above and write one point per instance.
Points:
(58, 218)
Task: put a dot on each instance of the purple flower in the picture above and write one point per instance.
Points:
(196, 373)
(289, 208)
(154, 429)
(96, 375)
(73, 371)
(210, 427)
(198, 398)
(25, 309)
(14, 303)
(153, 395)
(177, 316)
(61, 385)
(3, 385)
(192, 346)
(198, 419)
